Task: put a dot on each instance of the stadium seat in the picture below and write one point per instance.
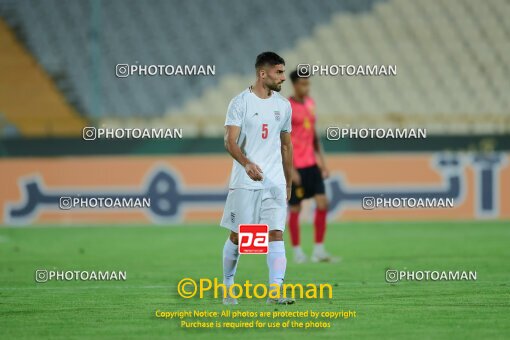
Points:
(451, 56)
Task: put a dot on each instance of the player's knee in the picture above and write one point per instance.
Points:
(295, 208)
(234, 237)
(321, 202)
(275, 235)
(322, 205)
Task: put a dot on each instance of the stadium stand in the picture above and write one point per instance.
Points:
(30, 105)
(449, 80)
(452, 58)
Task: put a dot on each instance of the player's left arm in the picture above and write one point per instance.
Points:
(287, 153)
(317, 145)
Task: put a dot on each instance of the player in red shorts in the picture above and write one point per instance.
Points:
(309, 170)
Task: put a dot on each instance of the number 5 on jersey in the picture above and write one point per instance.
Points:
(265, 131)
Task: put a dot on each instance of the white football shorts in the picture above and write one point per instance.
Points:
(261, 206)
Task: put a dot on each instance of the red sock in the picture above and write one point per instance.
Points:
(320, 225)
(294, 228)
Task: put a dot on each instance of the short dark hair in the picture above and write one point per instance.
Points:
(295, 76)
(268, 58)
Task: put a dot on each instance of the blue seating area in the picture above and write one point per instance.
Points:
(452, 58)
(80, 42)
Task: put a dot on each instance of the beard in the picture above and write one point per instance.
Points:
(275, 87)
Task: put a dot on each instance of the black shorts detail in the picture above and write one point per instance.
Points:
(311, 185)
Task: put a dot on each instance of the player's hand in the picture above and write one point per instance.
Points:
(324, 173)
(289, 189)
(254, 171)
(296, 177)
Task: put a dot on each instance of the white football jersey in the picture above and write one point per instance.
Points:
(261, 122)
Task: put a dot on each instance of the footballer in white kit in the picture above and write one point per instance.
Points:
(257, 136)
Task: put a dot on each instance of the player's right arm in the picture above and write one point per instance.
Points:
(231, 136)
(235, 116)
(296, 177)
(321, 163)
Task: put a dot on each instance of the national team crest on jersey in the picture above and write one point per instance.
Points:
(311, 108)
(277, 116)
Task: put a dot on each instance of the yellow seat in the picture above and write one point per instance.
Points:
(28, 97)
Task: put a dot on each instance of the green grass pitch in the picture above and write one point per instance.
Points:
(157, 258)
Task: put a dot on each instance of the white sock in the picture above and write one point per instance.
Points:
(230, 260)
(298, 250)
(277, 262)
(319, 248)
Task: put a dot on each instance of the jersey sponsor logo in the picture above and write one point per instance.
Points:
(253, 238)
(277, 116)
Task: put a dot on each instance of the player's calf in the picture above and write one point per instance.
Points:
(230, 261)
